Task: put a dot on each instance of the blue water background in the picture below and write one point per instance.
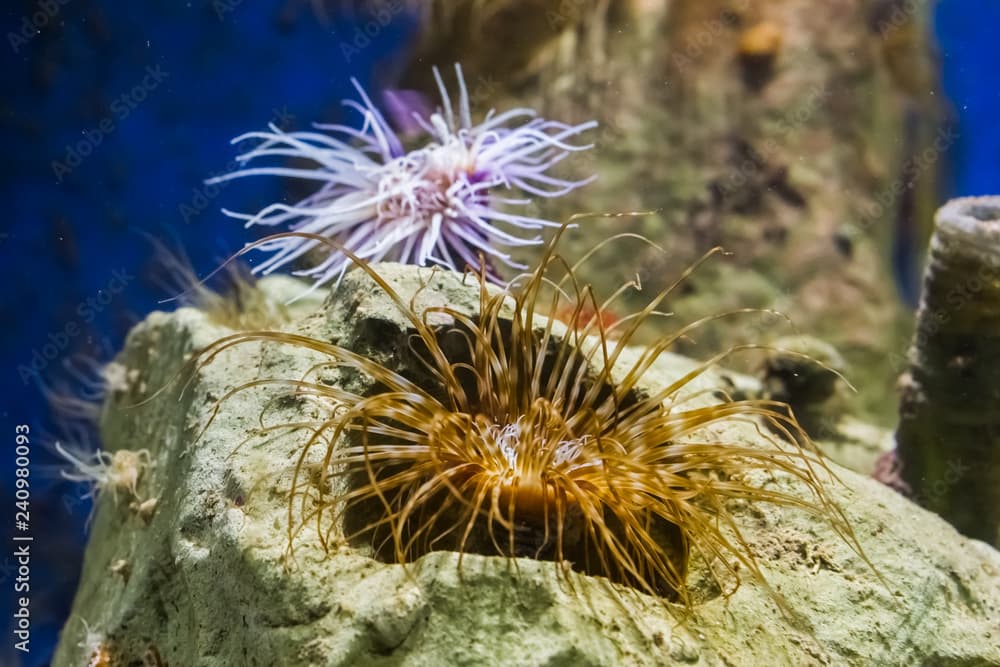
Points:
(214, 69)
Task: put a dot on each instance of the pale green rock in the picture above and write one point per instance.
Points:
(209, 585)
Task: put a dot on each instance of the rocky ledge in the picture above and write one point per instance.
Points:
(192, 572)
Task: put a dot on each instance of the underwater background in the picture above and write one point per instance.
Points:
(115, 114)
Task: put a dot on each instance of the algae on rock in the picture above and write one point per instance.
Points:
(210, 584)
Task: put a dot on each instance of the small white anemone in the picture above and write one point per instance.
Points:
(119, 471)
(440, 203)
(95, 646)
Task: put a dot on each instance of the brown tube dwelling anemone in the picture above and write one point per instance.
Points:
(520, 436)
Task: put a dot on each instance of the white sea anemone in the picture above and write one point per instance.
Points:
(119, 471)
(440, 203)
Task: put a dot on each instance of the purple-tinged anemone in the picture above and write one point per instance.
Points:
(446, 202)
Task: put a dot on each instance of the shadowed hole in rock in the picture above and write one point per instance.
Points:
(984, 212)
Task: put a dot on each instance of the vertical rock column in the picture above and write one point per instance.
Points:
(949, 431)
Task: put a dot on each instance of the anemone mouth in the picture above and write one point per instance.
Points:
(527, 497)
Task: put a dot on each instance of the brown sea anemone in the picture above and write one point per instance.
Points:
(511, 434)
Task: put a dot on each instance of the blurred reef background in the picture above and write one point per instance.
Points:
(812, 141)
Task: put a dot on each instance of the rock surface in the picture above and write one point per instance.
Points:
(208, 585)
